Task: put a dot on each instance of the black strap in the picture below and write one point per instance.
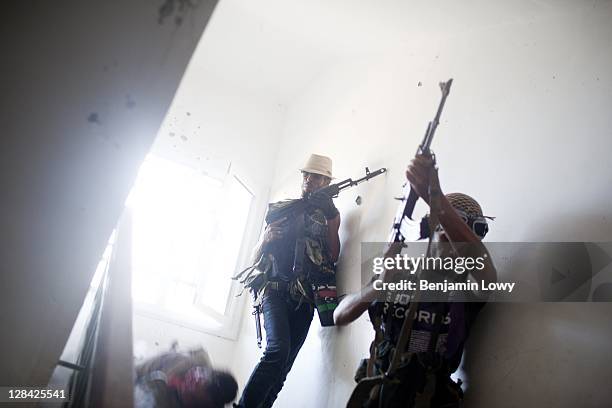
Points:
(281, 286)
(435, 334)
(300, 247)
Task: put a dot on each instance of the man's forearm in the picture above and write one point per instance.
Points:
(353, 306)
(333, 239)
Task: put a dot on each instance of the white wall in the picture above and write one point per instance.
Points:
(85, 87)
(526, 130)
(210, 125)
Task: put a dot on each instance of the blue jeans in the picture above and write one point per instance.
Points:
(286, 329)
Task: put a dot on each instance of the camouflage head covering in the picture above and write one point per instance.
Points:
(465, 203)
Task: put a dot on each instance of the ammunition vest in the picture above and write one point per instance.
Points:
(304, 261)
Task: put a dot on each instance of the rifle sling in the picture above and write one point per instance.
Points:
(406, 331)
(433, 340)
(404, 336)
(300, 247)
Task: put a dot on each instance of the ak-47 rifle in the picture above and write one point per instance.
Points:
(371, 387)
(299, 205)
(410, 196)
(294, 208)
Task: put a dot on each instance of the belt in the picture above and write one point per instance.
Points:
(279, 285)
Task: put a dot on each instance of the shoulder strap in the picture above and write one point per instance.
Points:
(300, 247)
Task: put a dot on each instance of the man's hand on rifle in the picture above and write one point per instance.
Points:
(274, 231)
(422, 173)
(323, 200)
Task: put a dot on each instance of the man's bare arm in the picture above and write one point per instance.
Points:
(333, 239)
(352, 306)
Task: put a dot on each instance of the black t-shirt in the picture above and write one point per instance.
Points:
(454, 327)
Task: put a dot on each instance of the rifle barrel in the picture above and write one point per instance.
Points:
(368, 176)
(299, 205)
(445, 88)
(410, 200)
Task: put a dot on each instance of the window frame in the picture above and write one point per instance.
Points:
(227, 325)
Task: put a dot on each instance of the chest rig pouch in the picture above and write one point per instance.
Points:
(312, 260)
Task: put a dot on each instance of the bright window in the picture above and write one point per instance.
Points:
(187, 237)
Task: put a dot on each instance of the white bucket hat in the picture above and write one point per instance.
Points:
(318, 164)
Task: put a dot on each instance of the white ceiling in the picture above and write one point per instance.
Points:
(274, 48)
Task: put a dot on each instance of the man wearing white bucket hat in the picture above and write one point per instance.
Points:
(295, 257)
